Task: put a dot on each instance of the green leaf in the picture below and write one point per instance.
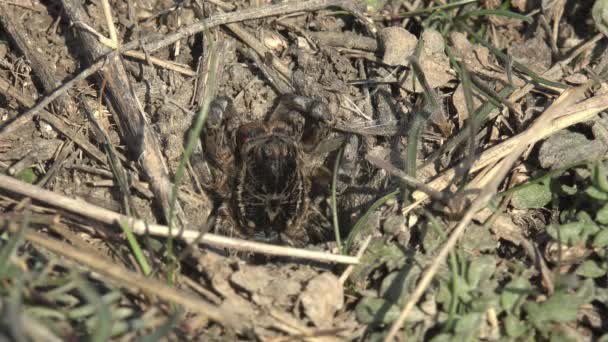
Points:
(397, 285)
(584, 217)
(589, 229)
(362, 221)
(374, 5)
(468, 324)
(485, 300)
(497, 12)
(443, 338)
(596, 194)
(570, 190)
(513, 292)
(27, 176)
(444, 294)
(602, 214)
(568, 233)
(372, 310)
(9, 249)
(478, 239)
(601, 239)
(102, 328)
(559, 336)
(586, 292)
(140, 256)
(514, 327)
(481, 269)
(462, 289)
(590, 269)
(568, 214)
(559, 308)
(531, 196)
(600, 15)
(377, 254)
(598, 172)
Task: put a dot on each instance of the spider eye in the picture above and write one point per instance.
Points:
(249, 131)
(220, 109)
(280, 127)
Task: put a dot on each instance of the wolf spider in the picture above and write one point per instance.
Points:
(267, 174)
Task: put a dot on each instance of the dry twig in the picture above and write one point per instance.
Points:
(140, 227)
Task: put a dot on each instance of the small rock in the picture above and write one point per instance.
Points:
(534, 53)
(48, 131)
(566, 148)
(521, 5)
(393, 224)
(321, 299)
(474, 56)
(577, 78)
(273, 41)
(379, 152)
(460, 104)
(434, 63)
(286, 287)
(282, 291)
(396, 44)
(251, 279)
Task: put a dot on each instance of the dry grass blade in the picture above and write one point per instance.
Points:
(7, 89)
(409, 180)
(565, 117)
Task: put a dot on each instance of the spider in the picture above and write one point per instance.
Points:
(264, 172)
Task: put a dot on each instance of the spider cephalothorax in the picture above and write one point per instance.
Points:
(266, 168)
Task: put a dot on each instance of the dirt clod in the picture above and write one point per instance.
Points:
(322, 298)
(397, 45)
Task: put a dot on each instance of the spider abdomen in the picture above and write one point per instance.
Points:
(270, 190)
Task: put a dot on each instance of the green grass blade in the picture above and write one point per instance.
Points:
(497, 12)
(137, 251)
(431, 10)
(198, 126)
(504, 58)
(334, 204)
(363, 220)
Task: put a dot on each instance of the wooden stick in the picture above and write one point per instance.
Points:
(39, 63)
(139, 136)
